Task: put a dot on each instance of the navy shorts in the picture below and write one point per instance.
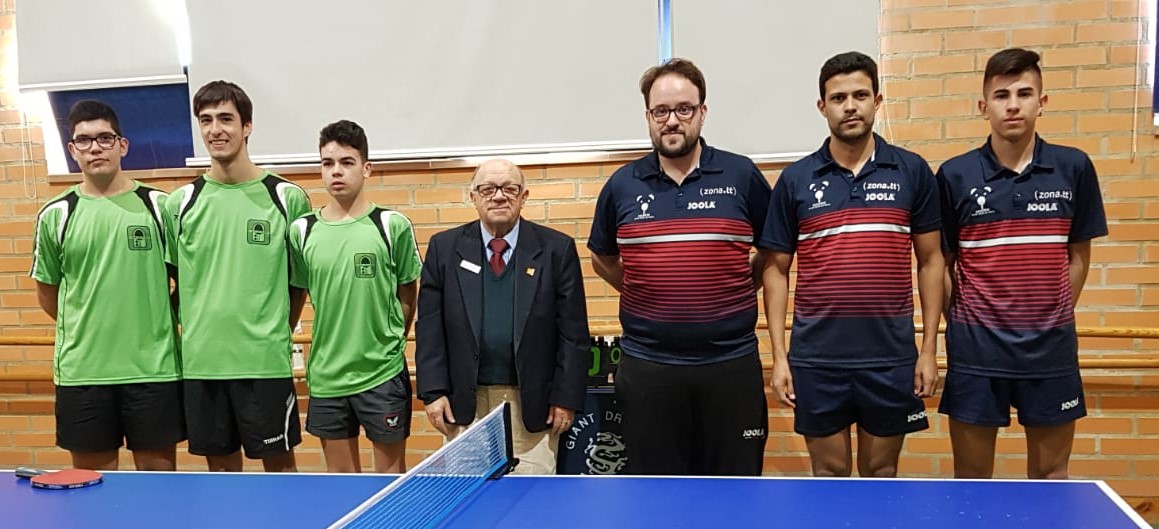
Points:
(879, 400)
(986, 401)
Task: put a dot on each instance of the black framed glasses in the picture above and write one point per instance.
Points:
(489, 190)
(105, 141)
(683, 112)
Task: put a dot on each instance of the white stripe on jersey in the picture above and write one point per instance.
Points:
(280, 191)
(36, 249)
(155, 197)
(854, 228)
(298, 228)
(385, 218)
(1009, 241)
(684, 237)
(186, 195)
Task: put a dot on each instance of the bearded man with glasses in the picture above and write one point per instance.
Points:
(673, 232)
(502, 316)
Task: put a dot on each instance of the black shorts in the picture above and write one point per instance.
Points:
(384, 411)
(143, 416)
(986, 401)
(879, 400)
(260, 415)
(693, 419)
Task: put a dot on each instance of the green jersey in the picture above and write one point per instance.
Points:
(354, 268)
(114, 323)
(228, 242)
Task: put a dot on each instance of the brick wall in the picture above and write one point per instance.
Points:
(932, 52)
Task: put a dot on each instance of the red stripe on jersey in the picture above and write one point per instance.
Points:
(856, 274)
(842, 217)
(1014, 228)
(686, 281)
(683, 226)
(1014, 286)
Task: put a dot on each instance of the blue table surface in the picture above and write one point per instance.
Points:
(226, 501)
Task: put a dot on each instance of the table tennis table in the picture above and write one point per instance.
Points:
(465, 484)
(253, 500)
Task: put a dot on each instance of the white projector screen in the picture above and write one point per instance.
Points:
(80, 44)
(761, 61)
(432, 78)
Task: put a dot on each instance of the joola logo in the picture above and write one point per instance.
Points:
(753, 433)
(1070, 404)
(705, 204)
(880, 196)
(1050, 206)
(914, 417)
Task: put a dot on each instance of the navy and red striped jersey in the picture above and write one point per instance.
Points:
(1011, 312)
(688, 295)
(852, 234)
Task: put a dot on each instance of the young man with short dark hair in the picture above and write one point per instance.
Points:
(361, 267)
(99, 265)
(227, 232)
(1019, 215)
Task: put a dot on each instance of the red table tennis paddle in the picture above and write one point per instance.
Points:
(73, 478)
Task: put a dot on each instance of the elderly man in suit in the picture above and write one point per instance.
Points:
(502, 317)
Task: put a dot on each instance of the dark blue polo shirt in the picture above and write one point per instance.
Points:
(688, 295)
(1011, 313)
(852, 234)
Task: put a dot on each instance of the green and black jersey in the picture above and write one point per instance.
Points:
(353, 270)
(228, 242)
(114, 322)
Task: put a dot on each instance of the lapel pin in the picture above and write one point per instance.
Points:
(530, 272)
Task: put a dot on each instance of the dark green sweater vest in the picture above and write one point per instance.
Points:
(497, 358)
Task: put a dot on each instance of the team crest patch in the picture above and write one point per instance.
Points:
(818, 190)
(365, 265)
(139, 239)
(257, 231)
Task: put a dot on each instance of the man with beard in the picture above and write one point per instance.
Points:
(851, 212)
(672, 233)
(227, 238)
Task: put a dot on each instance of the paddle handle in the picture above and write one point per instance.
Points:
(25, 472)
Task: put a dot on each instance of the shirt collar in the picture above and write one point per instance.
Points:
(993, 169)
(883, 155)
(649, 166)
(512, 236)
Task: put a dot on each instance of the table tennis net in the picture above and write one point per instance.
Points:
(425, 495)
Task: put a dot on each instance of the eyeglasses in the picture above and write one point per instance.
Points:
(683, 112)
(105, 141)
(488, 190)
